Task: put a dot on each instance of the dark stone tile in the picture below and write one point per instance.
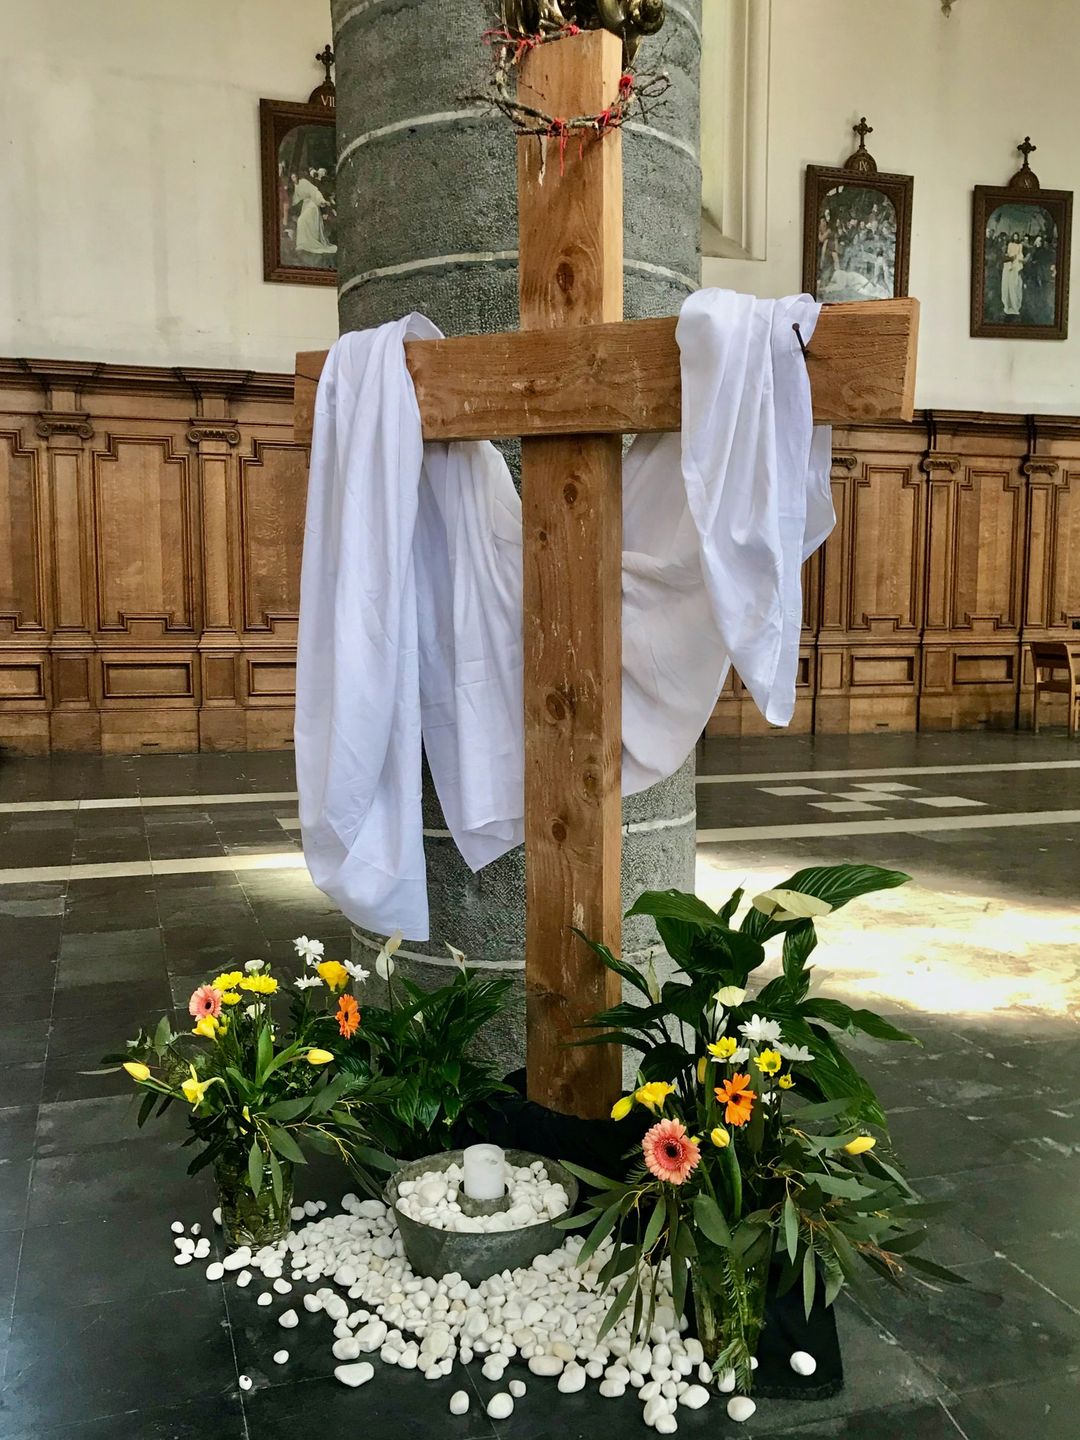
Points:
(937, 1141)
(123, 903)
(10, 1249)
(21, 1084)
(134, 963)
(993, 1325)
(23, 1042)
(1046, 1407)
(221, 1418)
(75, 1078)
(98, 1261)
(904, 1422)
(109, 848)
(1006, 1203)
(81, 1039)
(195, 949)
(219, 907)
(111, 1000)
(71, 1125)
(17, 1131)
(141, 1175)
(1051, 1263)
(88, 1362)
(393, 1405)
(14, 1189)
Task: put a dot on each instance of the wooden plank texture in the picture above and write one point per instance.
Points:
(623, 378)
(570, 244)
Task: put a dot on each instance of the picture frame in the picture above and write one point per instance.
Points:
(856, 229)
(1021, 250)
(298, 144)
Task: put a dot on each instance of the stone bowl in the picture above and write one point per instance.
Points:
(476, 1256)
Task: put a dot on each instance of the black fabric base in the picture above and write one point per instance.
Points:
(602, 1145)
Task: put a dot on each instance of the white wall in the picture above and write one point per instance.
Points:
(949, 99)
(129, 164)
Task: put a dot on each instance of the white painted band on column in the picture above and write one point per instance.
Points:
(646, 267)
(632, 827)
(432, 262)
(665, 137)
(673, 5)
(447, 962)
(414, 122)
(358, 9)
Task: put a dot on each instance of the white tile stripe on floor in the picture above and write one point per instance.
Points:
(145, 802)
(272, 860)
(919, 826)
(766, 776)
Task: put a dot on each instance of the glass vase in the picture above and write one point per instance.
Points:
(729, 1318)
(247, 1218)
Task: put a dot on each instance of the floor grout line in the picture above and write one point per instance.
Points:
(820, 829)
(959, 1428)
(869, 773)
(124, 869)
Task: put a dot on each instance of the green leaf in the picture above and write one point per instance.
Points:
(617, 1037)
(935, 1272)
(711, 1221)
(664, 1062)
(799, 943)
(277, 1180)
(836, 884)
(629, 973)
(846, 1187)
(600, 1231)
(162, 1035)
(809, 1280)
(673, 905)
(685, 1002)
(577, 1222)
(285, 1145)
(727, 910)
(824, 1110)
(255, 1166)
(598, 1182)
(791, 1227)
(622, 1259)
(288, 1109)
(149, 1100)
(835, 1012)
(652, 1230)
(264, 1053)
(619, 1304)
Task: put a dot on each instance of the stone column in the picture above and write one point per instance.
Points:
(427, 205)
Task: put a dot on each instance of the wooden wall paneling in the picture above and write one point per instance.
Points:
(24, 617)
(1051, 602)
(214, 437)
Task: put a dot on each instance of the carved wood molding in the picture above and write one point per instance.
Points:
(843, 460)
(202, 430)
(940, 466)
(61, 422)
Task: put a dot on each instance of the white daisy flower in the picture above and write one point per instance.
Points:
(253, 966)
(794, 1052)
(762, 1032)
(307, 982)
(357, 972)
(309, 950)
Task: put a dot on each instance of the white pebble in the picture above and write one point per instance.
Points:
(459, 1402)
(244, 1278)
(348, 1349)
(611, 1389)
(265, 1298)
(216, 1216)
(289, 1320)
(281, 1357)
(666, 1424)
(740, 1408)
(245, 1382)
(184, 1258)
(202, 1249)
(500, 1406)
(215, 1271)
(282, 1287)
(726, 1383)
(572, 1379)
(551, 1365)
(177, 1227)
(656, 1407)
(802, 1363)
(517, 1388)
(312, 1303)
(694, 1397)
(297, 1212)
(354, 1375)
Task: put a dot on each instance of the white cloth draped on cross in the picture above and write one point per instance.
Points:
(410, 609)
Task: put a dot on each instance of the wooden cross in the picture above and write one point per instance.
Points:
(570, 383)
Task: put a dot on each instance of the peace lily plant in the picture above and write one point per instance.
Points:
(767, 1147)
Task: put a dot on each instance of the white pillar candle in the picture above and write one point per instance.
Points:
(485, 1172)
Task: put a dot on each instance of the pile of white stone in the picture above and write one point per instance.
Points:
(433, 1198)
(547, 1315)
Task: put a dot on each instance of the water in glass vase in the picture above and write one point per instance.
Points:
(247, 1218)
(729, 1309)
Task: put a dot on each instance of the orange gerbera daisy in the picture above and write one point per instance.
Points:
(738, 1099)
(348, 1016)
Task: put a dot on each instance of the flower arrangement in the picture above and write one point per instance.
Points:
(259, 1091)
(763, 1147)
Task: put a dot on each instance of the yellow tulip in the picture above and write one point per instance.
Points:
(137, 1071)
(701, 1065)
(319, 1057)
(786, 1082)
(207, 1027)
(622, 1108)
(860, 1145)
(654, 1094)
(333, 974)
(195, 1089)
(720, 1137)
(724, 1048)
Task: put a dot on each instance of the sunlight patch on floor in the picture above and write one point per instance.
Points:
(955, 954)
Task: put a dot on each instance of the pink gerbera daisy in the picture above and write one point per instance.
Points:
(205, 1001)
(669, 1152)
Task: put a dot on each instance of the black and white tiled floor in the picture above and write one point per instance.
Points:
(123, 879)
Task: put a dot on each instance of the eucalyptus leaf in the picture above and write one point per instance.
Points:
(791, 1227)
(255, 1168)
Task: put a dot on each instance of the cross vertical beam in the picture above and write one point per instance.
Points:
(570, 221)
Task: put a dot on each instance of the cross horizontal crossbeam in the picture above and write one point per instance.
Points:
(623, 378)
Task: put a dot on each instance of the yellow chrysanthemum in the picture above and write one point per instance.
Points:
(230, 997)
(860, 1145)
(720, 1137)
(228, 981)
(319, 1057)
(702, 1065)
(622, 1108)
(769, 1062)
(258, 984)
(786, 1082)
(724, 1048)
(333, 974)
(207, 1028)
(137, 1071)
(654, 1094)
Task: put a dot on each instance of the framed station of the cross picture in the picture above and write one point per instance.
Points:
(1020, 253)
(857, 229)
(299, 168)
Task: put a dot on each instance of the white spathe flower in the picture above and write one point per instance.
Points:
(253, 966)
(717, 1018)
(790, 905)
(762, 1032)
(457, 955)
(384, 966)
(730, 995)
(251, 1011)
(739, 1056)
(307, 982)
(794, 1052)
(357, 972)
(309, 950)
